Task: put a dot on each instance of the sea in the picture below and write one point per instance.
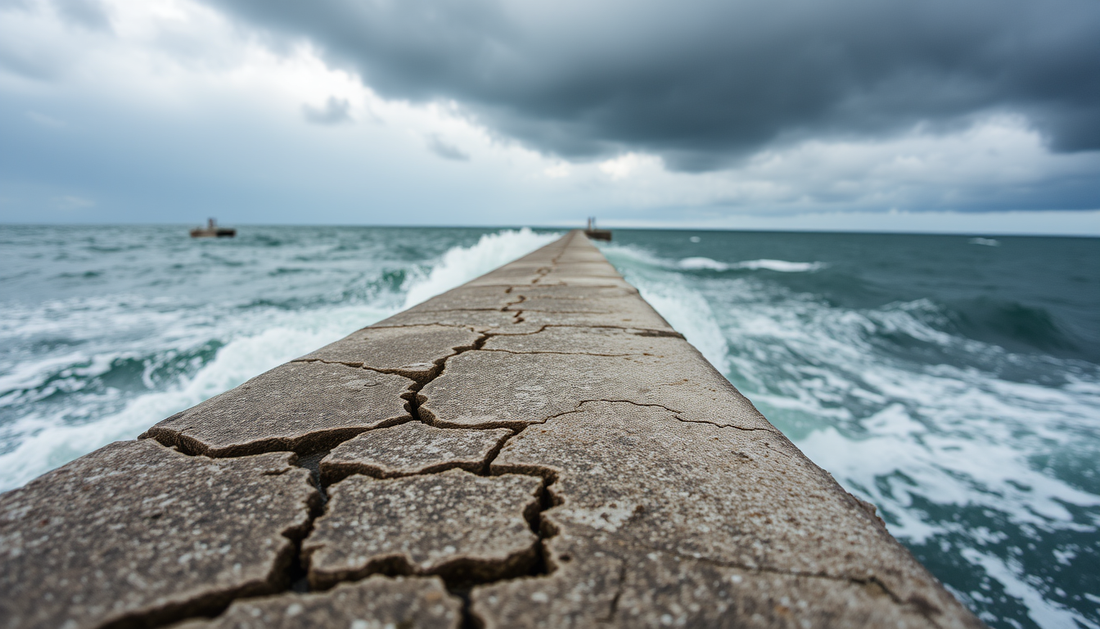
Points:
(951, 380)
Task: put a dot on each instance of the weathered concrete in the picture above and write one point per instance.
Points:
(540, 439)
(412, 448)
(639, 482)
(414, 352)
(135, 534)
(298, 406)
(529, 388)
(375, 603)
(457, 524)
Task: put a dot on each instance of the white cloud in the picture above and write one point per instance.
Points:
(621, 166)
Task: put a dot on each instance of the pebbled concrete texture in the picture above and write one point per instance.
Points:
(375, 603)
(136, 533)
(536, 448)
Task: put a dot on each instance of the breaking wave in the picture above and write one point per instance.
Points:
(80, 372)
(781, 266)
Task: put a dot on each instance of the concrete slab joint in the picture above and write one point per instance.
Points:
(536, 448)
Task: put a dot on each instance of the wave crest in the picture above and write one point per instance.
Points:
(462, 264)
(781, 266)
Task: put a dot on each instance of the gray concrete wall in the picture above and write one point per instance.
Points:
(537, 448)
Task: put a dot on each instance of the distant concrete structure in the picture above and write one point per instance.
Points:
(213, 231)
(596, 234)
(536, 448)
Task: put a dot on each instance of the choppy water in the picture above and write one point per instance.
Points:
(952, 381)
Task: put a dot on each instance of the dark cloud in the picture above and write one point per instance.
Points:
(335, 111)
(704, 83)
(445, 150)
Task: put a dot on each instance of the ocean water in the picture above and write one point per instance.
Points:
(952, 381)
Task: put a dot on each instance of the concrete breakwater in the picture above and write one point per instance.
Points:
(535, 448)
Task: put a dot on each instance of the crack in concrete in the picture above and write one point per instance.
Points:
(353, 364)
(512, 351)
(285, 574)
(921, 606)
(675, 414)
(630, 329)
(457, 577)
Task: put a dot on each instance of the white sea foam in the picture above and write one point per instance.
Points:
(46, 441)
(462, 264)
(690, 314)
(253, 340)
(781, 266)
(988, 242)
(686, 310)
(700, 263)
(892, 431)
(1011, 575)
(948, 435)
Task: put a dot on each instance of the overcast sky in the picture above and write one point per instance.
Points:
(958, 115)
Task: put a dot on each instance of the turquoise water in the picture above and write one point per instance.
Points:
(952, 381)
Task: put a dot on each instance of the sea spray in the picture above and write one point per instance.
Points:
(876, 355)
(462, 264)
(80, 369)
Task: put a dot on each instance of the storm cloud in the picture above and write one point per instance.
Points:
(706, 83)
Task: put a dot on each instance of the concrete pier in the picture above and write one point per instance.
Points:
(536, 448)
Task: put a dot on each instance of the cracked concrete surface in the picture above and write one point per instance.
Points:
(137, 533)
(454, 523)
(745, 499)
(413, 352)
(537, 448)
(297, 406)
(412, 448)
(375, 603)
(530, 387)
